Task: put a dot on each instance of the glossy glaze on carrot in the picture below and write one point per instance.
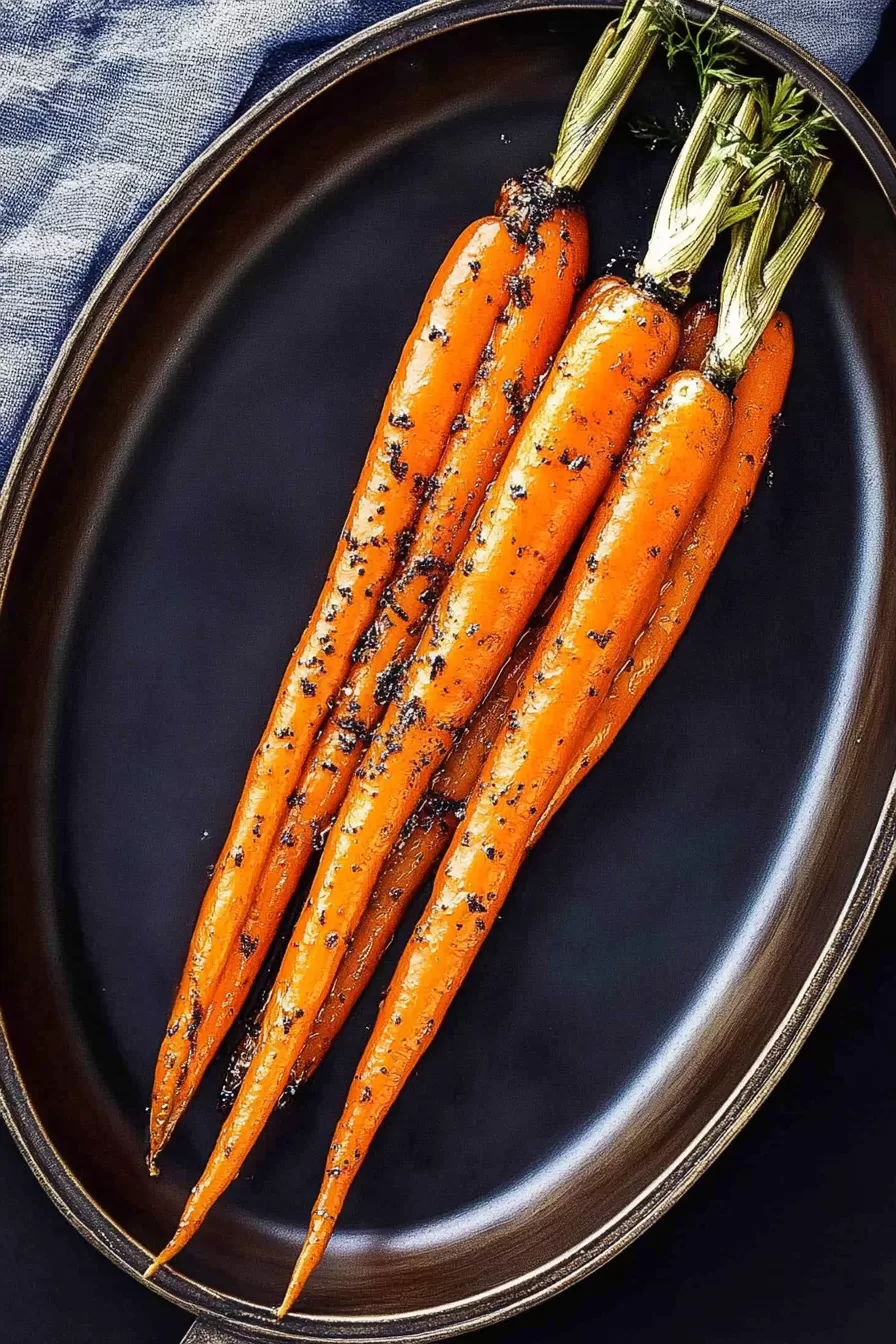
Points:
(414, 857)
(561, 463)
(411, 862)
(698, 327)
(524, 339)
(436, 368)
(758, 399)
(614, 585)
(621, 344)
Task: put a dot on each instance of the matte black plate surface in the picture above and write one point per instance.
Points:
(670, 939)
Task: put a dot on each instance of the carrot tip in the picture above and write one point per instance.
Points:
(152, 1269)
(296, 1284)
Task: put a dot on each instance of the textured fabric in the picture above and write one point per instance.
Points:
(839, 32)
(104, 102)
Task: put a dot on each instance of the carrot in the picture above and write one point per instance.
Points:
(622, 342)
(436, 368)
(758, 399)
(559, 466)
(522, 342)
(614, 584)
(436, 820)
(760, 370)
(609, 76)
(750, 350)
(407, 868)
(698, 327)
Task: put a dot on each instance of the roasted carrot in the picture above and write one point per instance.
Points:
(755, 360)
(758, 399)
(523, 341)
(614, 584)
(436, 820)
(436, 368)
(622, 342)
(560, 464)
(407, 868)
(698, 327)
(541, 214)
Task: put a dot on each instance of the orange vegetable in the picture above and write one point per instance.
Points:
(614, 585)
(758, 399)
(436, 368)
(698, 327)
(406, 869)
(523, 341)
(424, 401)
(621, 344)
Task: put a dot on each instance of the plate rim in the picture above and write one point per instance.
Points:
(145, 243)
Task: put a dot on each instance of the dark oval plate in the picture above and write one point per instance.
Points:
(165, 529)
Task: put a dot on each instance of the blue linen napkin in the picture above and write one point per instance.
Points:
(104, 102)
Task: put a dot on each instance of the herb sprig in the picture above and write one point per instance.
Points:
(714, 51)
(791, 134)
(663, 134)
(712, 46)
(790, 141)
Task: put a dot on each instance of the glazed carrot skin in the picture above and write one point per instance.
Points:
(407, 868)
(698, 327)
(436, 368)
(412, 860)
(613, 587)
(621, 344)
(758, 399)
(523, 341)
(559, 466)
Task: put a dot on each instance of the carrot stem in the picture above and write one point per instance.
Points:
(614, 584)
(753, 282)
(758, 398)
(613, 69)
(699, 192)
